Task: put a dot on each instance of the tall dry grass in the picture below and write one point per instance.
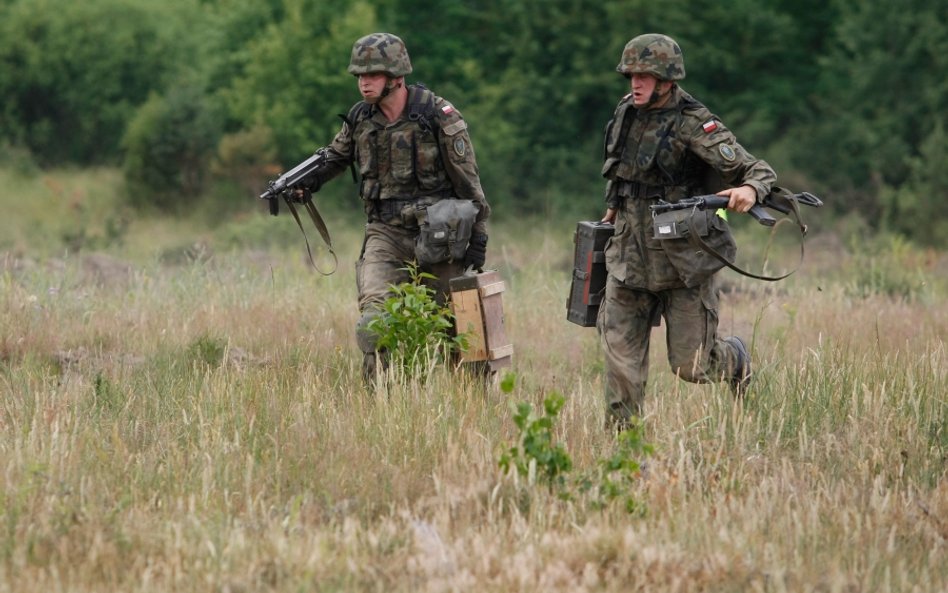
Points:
(201, 426)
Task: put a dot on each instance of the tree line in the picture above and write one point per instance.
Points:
(846, 98)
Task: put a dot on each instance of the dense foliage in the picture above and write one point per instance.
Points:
(845, 98)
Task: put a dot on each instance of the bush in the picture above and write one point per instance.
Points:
(168, 148)
(413, 329)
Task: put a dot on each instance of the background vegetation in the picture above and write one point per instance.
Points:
(198, 99)
(181, 409)
(180, 398)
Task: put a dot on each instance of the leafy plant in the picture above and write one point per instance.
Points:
(207, 350)
(615, 475)
(413, 329)
(535, 453)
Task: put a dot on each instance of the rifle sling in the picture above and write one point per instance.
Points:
(699, 243)
(320, 226)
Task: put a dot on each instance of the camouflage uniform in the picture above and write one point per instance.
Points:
(423, 157)
(671, 152)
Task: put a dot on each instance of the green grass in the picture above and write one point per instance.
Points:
(199, 424)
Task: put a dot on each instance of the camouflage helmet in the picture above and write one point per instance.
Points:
(380, 52)
(653, 54)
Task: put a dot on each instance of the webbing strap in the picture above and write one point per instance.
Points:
(699, 243)
(320, 226)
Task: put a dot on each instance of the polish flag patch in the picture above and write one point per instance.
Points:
(447, 109)
(709, 126)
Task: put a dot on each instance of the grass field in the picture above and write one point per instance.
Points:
(181, 410)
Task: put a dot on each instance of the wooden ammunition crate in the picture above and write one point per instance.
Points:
(478, 306)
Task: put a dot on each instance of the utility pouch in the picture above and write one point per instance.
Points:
(696, 243)
(677, 224)
(444, 231)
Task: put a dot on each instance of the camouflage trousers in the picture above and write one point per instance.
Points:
(625, 323)
(386, 251)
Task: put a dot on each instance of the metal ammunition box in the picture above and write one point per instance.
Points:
(589, 272)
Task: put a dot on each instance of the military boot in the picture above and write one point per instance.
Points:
(741, 373)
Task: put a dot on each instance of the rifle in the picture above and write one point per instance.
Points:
(298, 178)
(778, 199)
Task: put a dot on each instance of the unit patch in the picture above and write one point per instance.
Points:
(727, 152)
(459, 146)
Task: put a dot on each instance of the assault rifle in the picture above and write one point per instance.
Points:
(287, 184)
(780, 200)
(292, 180)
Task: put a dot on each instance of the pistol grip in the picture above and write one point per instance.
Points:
(762, 216)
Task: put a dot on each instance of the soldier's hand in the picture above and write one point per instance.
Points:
(298, 195)
(476, 252)
(610, 216)
(740, 199)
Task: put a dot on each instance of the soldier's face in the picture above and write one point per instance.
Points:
(371, 86)
(642, 86)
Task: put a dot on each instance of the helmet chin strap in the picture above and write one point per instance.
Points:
(389, 87)
(656, 96)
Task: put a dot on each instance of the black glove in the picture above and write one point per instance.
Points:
(476, 252)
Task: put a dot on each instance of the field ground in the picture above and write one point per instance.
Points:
(182, 410)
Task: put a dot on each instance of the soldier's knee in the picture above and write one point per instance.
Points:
(689, 372)
(366, 339)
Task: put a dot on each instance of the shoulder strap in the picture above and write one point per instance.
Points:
(421, 107)
(357, 113)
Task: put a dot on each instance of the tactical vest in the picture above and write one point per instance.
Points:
(645, 158)
(399, 160)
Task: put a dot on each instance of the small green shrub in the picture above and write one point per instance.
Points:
(536, 456)
(207, 350)
(109, 398)
(615, 475)
(413, 329)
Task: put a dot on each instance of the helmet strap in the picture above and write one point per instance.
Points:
(389, 87)
(656, 96)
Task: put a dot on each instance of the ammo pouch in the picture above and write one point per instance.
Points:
(695, 242)
(444, 231)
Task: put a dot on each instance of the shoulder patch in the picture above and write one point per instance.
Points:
(459, 146)
(727, 152)
(709, 126)
(452, 129)
(447, 109)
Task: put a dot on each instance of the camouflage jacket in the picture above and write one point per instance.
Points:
(425, 155)
(670, 153)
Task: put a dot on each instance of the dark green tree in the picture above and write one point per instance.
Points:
(169, 146)
(294, 77)
(74, 72)
(882, 89)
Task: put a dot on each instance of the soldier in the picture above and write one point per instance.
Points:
(661, 143)
(412, 151)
